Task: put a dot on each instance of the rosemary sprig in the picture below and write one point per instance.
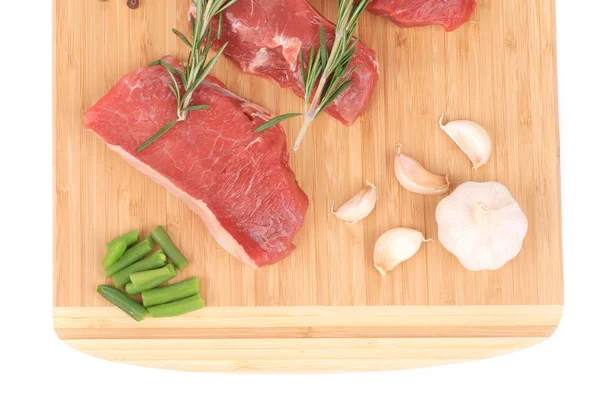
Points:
(198, 64)
(328, 70)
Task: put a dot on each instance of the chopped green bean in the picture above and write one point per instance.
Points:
(178, 307)
(146, 280)
(114, 253)
(153, 261)
(169, 293)
(130, 238)
(132, 255)
(164, 241)
(127, 304)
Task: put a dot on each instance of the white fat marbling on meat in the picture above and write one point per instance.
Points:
(261, 58)
(290, 48)
(238, 26)
(375, 63)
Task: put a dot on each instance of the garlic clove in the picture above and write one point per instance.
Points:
(395, 246)
(359, 206)
(472, 139)
(413, 177)
(482, 225)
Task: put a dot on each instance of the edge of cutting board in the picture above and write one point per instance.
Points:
(307, 339)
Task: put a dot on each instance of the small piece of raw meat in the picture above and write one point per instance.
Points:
(265, 38)
(237, 181)
(406, 13)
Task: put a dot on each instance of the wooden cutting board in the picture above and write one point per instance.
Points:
(324, 308)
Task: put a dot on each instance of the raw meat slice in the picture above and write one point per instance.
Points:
(406, 13)
(237, 181)
(265, 38)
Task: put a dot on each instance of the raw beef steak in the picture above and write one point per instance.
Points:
(265, 38)
(237, 181)
(406, 13)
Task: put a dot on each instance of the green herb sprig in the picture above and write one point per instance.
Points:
(328, 70)
(198, 64)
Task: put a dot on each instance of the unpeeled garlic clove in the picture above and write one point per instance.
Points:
(359, 206)
(395, 246)
(412, 176)
(472, 139)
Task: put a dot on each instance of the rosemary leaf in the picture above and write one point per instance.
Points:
(309, 75)
(195, 70)
(349, 73)
(227, 5)
(332, 97)
(220, 25)
(182, 37)
(313, 76)
(188, 94)
(156, 135)
(325, 76)
(213, 61)
(175, 88)
(345, 59)
(275, 121)
(344, 77)
(196, 107)
(172, 70)
(302, 69)
(357, 13)
(323, 45)
(174, 92)
(334, 81)
(189, 60)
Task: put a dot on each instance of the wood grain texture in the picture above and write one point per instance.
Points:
(499, 69)
(313, 322)
(293, 355)
(307, 338)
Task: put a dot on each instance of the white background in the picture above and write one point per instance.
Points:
(35, 363)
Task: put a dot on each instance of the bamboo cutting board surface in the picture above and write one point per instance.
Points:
(325, 307)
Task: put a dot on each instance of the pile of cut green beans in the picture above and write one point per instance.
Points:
(132, 264)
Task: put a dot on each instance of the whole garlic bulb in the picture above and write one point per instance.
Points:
(482, 225)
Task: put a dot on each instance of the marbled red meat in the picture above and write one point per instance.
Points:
(406, 13)
(265, 38)
(237, 181)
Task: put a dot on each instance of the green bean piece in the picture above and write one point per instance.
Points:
(114, 253)
(176, 291)
(178, 307)
(164, 241)
(130, 238)
(132, 255)
(146, 280)
(155, 260)
(132, 308)
(130, 289)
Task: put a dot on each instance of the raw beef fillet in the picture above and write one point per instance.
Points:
(237, 181)
(406, 13)
(265, 38)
